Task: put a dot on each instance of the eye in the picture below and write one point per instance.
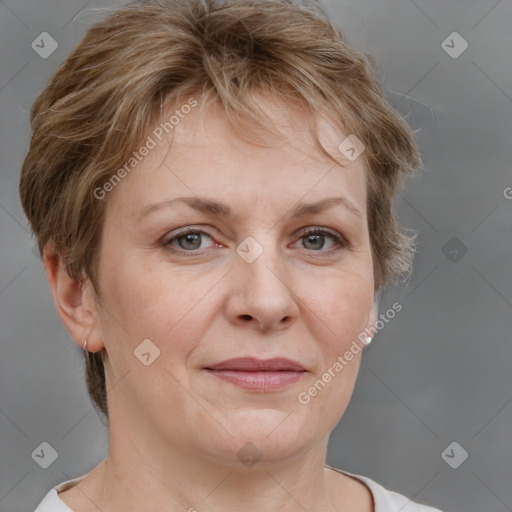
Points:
(314, 239)
(187, 240)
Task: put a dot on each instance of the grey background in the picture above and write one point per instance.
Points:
(439, 372)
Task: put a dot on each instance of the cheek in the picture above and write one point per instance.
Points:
(348, 311)
(337, 313)
(170, 308)
(339, 306)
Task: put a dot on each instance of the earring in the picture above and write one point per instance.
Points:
(85, 345)
(368, 340)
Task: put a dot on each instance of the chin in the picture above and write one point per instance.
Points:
(265, 435)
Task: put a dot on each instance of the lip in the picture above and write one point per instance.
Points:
(261, 375)
(253, 364)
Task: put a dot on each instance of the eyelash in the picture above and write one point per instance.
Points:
(340, 241)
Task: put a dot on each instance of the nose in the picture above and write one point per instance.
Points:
(261, 295)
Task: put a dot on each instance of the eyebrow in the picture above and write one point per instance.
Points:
(223, 210)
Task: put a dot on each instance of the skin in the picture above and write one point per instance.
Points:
(175, 429)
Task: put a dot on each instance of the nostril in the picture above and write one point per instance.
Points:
(247, 317)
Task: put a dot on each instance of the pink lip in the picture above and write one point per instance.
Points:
(252, 364)
(257, 374)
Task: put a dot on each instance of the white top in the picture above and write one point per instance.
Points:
(384, 499)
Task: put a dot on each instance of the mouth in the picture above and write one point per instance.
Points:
(258, 374)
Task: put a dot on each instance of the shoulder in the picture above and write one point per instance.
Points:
(386, 500)
(52, 502)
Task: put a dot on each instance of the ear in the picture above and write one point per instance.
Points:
(75, 303)
(373, 317)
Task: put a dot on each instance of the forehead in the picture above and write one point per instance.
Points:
(208, 127)
(197, 151)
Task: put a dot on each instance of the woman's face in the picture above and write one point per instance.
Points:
(248, 284)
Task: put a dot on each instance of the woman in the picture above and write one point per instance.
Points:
(212, 188)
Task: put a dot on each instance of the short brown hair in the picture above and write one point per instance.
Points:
(100, 103)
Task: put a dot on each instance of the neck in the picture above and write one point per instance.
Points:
(176, 480)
